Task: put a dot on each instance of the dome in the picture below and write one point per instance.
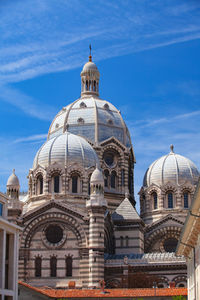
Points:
(93, 118)
(89, 66)
(66, 149)
(97, 176)
(171, 168)
(13, 179)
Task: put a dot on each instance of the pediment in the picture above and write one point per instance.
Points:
(113, 140)
(168, 220)
(53, 206)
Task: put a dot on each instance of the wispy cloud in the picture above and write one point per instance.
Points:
(27, 104)
(31, 138)
(53, 36)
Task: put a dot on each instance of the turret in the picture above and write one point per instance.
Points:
(13, 189)
(90, 79)
(96, 206)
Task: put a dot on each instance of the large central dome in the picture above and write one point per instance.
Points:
(89, 116)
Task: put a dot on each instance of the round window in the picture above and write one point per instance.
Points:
(170, 244)
(54, 234)
(109, 159)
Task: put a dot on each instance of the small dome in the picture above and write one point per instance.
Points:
(13, 179)
(66, 149)
(171, 168)
(97, 176)
(89, 66)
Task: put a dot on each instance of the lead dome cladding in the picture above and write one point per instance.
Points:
(171, 168)
(66, 149)
(90, 116)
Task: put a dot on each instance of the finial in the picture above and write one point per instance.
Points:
(172, 148)
(13, 171)
(90, 56)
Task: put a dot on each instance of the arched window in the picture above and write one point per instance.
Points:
(127, 241)
(38, 266)
(155, 201)
(113, 180)
(74, 184)
(186, 200)
(121, 241)
(56, 180)
(40, 185)
(68, 266)
(170, 200)
(53, 266)
(122, 177)
(106, 178)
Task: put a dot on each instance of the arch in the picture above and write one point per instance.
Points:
(121, 241)
(186, 197)
(39, 184)
(56, 185)
(170, 200)
(68, 262)
(113, 283)
(180, 281)
(54, 180)
(113, 180)
(42, 220)
(75, 183)
(38, 266)
(127, 241)
(155, 200)
(106, 178)
(53, 266)
(161, 234)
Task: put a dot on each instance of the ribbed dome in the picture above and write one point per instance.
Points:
(93, 118)
(66, 149)
(13, 179)
(171, 168)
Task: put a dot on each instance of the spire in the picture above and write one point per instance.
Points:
(90, 56)
(172, 148)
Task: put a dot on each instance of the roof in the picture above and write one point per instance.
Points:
(108, 293)
(125, 211)
(147, 257)
(93, 118)
(171, 168)
(13, 179)
(66, 149)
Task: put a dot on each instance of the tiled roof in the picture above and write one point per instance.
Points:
(125, 211)
(146, 256)
(109, 293)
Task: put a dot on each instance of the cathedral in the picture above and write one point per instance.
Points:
(79, 221)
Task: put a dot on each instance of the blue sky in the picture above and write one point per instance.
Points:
(147, 53)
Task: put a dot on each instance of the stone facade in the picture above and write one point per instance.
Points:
(79, 219)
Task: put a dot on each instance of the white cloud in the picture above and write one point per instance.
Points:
(26, 103)
(31, 138)
(50, 37)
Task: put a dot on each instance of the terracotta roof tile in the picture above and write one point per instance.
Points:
(109, 293)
